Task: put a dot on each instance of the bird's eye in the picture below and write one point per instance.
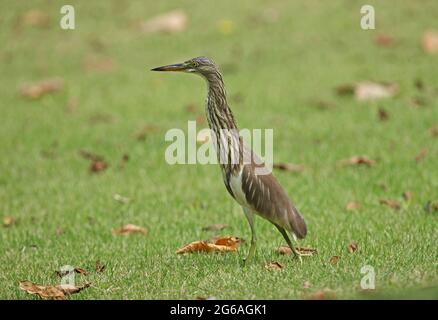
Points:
(195, 64)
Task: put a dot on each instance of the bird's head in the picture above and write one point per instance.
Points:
(199, 65)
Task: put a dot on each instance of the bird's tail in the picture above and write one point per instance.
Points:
(297, 223)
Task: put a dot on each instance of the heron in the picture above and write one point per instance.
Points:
(247, 179)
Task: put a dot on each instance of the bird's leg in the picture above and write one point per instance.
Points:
(250, 217)
(289, 243)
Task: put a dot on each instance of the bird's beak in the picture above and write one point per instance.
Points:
(172, 67)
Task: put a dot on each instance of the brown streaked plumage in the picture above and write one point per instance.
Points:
(245, 176)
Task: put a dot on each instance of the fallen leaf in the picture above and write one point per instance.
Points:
(97, 162)
(417, 102)
(434, 131)
(352, 206)
(367, 90)
(142, 134)
(383, 40)
(419, 84)
(98, 166)
(227, 244)
(352, 247)
(285, 250)
(320, 295)
(99, 266)
(130, 229)
(171, 22)
(8, 221)
(394, 204)
(231, 242)
(35, 18)
(94, 63)
(215, 227)
(57, 292)
(192, 108)
(383, 114)
(40, 88)
(306, 285)
(80, 270)
(200, 119)
(357, 160)
(345, 89)
(407, 195)
(420, 156)
(274, 265)
(335, 259)
(290, 167)
(429, 41)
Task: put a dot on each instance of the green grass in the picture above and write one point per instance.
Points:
(279, 69)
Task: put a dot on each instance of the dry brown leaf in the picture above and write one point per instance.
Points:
(429, 41)
(357, 160)
(97, 162)
(171, 22)
(335, 259)
(57, 292)
(192, 108)
(200, 119)
(98, 166)
(420, 156)
(291, 167)
(285, 250)
(367, 90)
(394, 204)
(38, 89)
(320, 295)
(434, 131)
(8, 221)
(130, 229)
(352, 247)
(80, 270)
(407, 195)
(35, 18)
(383, 40)
(99, 266)
(142, 134)
(345, 89)
(350, 206)
(226, 244)
(215, 227)
(274, 265)
(383, 114)
(94, 63)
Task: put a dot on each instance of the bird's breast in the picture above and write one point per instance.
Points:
(235, 183)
